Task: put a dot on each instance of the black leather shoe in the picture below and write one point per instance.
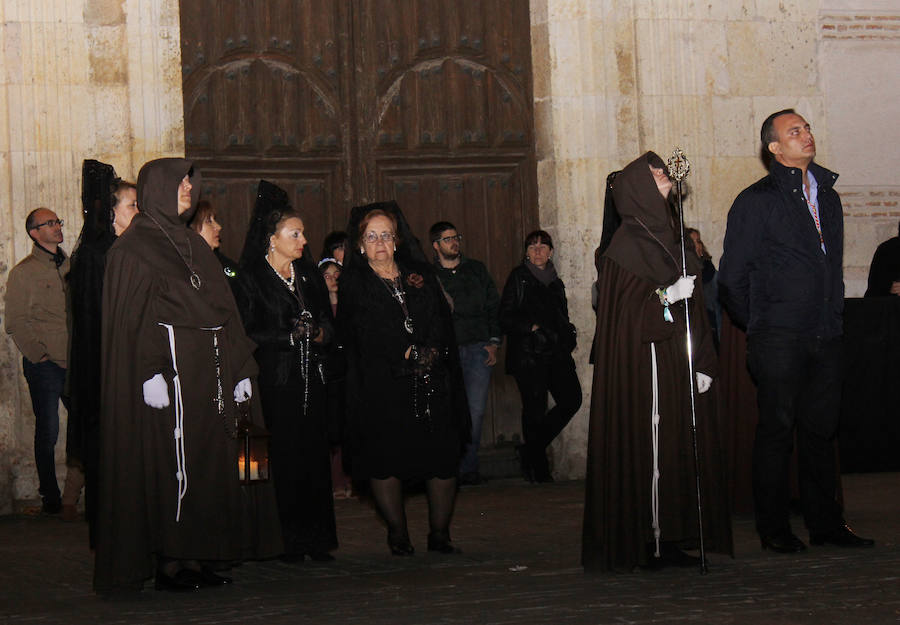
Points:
(209, 578)
(440, 542)
(51, 507)
(670, 555)
(843, 536)
(182, 581)
(782, 543)
(320, 556)
(399, 544)
(525, 464)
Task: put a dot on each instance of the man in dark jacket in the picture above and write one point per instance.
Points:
(781, 278)
(474, 300)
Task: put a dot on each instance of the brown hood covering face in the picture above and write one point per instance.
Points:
(647, 243)
(155, 234)
(157, 189)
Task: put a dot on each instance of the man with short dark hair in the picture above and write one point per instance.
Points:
(36, 319)
(475, 303)
(781, 278)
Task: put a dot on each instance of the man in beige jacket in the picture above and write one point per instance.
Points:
(36, 319)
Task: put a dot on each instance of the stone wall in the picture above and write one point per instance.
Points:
(78, 79)
(615, 78)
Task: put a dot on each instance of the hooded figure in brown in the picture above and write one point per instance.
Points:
(175, 360)
(640, 503)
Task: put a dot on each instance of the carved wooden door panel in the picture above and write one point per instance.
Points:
(444, 104)
(266, 96)
(428, 102)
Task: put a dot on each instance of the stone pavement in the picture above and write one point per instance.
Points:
(520, 566)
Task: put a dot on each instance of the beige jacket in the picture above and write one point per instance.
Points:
(36, 307)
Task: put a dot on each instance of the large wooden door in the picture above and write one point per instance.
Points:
(428, 102)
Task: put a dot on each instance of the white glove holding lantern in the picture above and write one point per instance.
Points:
(682, 289)
(156, 392)
(242, 390)
(703, 382)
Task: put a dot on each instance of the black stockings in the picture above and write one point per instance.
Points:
(388, 495)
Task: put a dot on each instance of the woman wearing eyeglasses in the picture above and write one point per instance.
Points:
(284, 308)
(405, 418)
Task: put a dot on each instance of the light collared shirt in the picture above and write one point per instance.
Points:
(812, 203)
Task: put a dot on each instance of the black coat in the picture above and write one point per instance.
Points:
(293, 407)
(773, 276)
(885, 269)
(269, 312)
(526, 302)
(398, 426)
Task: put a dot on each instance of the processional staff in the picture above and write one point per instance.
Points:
(679, 167)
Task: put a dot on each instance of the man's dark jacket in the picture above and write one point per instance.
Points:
(475, 301)
(774, 276)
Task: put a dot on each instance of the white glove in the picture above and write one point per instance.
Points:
(682, 289)
(156, 392)
(703, 382)
(242, 390)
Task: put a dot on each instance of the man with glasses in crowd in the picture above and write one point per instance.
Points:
(475, 303)
(36, 319)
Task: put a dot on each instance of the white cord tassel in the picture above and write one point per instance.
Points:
(180, 457)
(654, 431)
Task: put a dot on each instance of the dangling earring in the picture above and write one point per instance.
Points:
(362, 250)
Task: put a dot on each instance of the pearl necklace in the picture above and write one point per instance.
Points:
(288, 282)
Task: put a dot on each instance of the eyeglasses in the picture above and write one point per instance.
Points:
(372, 237)
(455, 237)
(49, 222)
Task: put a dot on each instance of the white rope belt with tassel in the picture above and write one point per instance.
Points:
(181, 473)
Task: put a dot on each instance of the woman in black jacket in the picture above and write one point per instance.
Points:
(534, 315)
(285, 311)
(406, 411)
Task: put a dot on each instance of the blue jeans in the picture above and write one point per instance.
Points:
(477, 379)
(45, 384)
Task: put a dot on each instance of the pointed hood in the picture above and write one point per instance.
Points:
(157, 189)
(647, 241)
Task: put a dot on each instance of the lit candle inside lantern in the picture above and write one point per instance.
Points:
(254, 468)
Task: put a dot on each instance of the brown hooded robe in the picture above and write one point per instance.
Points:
(643, 256)
(148, 283)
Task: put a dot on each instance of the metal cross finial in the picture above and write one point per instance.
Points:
(679, 166)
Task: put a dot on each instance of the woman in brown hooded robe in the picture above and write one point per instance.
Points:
(175, 361)
(633, 518)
